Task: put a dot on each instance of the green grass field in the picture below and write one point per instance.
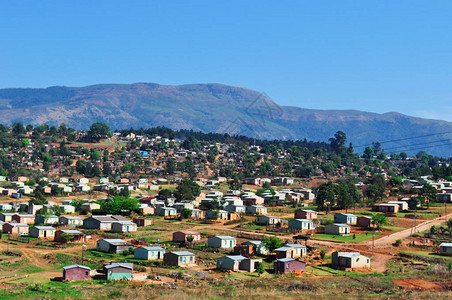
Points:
(345, 239)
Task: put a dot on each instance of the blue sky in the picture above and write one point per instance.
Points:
(378, 56)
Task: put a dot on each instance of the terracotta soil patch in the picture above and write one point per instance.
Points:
(417, 284)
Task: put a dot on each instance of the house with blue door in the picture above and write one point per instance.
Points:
(342, 218)
(301, 224)
(198, 214)
(124, 227)
(179, 258)
(149, 253)
(221, 241)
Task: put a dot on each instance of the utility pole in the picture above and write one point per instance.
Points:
(373, 240)
(83, 247)
(241, 223)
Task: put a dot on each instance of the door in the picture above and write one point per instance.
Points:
(230, 244)
(185, 260)
(127, 228)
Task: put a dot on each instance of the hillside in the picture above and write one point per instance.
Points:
(214, 108)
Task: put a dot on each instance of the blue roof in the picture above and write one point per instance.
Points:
(118, 265)
(183, 253)
(76, 266)
(287, 259)
(225, 237)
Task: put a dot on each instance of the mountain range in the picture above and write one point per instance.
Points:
(218, 108)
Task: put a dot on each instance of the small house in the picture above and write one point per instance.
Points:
(167, 211)
(181, 236)
(67, 209)
(179, 258)
(7, 217)
(76, 272)
(345, 219)
(260, 249)
(118, 272)
(364, 221)
(403, 205)
(73, 236)
(388, 208)
(46, 220)
(217, 215)
(71, 221)
(288, 265)
(16, 228)
(267, 220)
(149, 253)
(113, 246)
(90, 206)
(339, 229)
(123, 227)
(256, 210)
(42, 232)
(236, 263)
(102, 222)
(290, 251)
(23, 218)
(198, 214)
(221, 241)
(305, 214)
(232, 208)
(301, 224)
(349, 260)
(445, 249)
(141, 222)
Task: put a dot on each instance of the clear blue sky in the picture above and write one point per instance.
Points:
(376, 56)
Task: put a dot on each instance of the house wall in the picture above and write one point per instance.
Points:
(445, 250)
(76, 274)
(119, 273)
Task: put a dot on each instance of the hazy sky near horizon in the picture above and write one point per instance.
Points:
(378, 56)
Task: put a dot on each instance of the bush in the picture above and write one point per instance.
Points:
(12, 253)
(139, 268)
(322, 254)
(398, 243)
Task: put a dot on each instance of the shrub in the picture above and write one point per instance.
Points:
(398, 243)
(322, 254)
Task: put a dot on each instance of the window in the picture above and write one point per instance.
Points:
(180, 259)
(287, 267)
(191, 258)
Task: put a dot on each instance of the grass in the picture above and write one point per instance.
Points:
(425, 253)
(393, 228)
(337, 238)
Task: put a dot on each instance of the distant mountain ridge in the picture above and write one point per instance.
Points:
(215, 108)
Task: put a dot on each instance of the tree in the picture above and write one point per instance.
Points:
(171, 166)
(260, 269)
(271, 243)
(190, 239)
(449, 226)
(338, 141)
(186, 213)
(429, 193)
(98, 131)
(187, 190)
(326, 196)
(164, 194)
(379, 220)
(120, 204)
(18, 128)
(67, 237)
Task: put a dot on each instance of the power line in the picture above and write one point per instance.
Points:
(421, 148)
(419, 144)
(404, 139)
